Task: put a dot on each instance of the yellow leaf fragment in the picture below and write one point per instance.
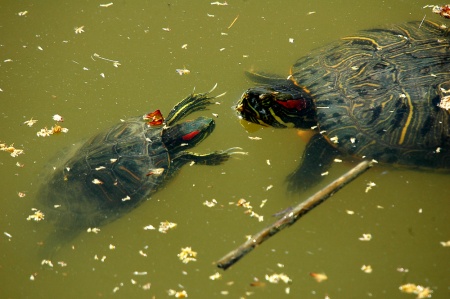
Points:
(211, 203)
(369, 186)
(97, 182)
(14, 152)
(319, 277)
(420, 291)
(446, 244)
(79, 30)
(183, 71)
(165, 226)
(187, 255)
(47, 262)
(215, 276)
(94, 230)
(149, 227)
(366, 268)
(276, 278)
(37, 216)
(180, 294)
(30, 122)
(219, 3)
(366, 237)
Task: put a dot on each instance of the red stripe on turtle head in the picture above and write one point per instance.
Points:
(190, 135)
(298, 104)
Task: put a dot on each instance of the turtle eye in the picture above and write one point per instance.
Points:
(267, 99)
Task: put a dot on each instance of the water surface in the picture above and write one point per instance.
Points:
(46, 69)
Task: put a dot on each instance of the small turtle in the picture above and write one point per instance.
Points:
(378, 95)
(118, 169)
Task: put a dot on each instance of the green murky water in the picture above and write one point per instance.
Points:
(46, 69)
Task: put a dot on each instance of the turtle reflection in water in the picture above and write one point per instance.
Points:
(118, 169)
(383, 94)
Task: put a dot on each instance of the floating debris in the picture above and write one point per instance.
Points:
(94, 230)
(53, 130)
(234, 21)
(14, 152)
(149, 227)
(106, 5)
(445, 244)
(97, 182)
(79, 30)
(58, 118)
(369, 186)
(215, 276)
(181, 294)
(366, 237)
(154, 118)
(165, 226)
(219, 3)
(30, 122)
(116, 63)
(254, 138)
(366, 269)
(211, 203)
(319, 277)
(187, 255)
(276, 278)
(47, 262)
(22, 13)
(263, 202)
(420, 291)
(37, 216)
(443, 11)
(183, 71)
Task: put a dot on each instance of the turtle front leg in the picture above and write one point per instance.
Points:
(317, 159)
(193, 102)
(214, 158)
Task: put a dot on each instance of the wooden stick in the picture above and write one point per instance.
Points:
(292, 216)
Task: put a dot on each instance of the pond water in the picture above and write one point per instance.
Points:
(47, 68)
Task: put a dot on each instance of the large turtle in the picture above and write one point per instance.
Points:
(383, 94)
(118, 169)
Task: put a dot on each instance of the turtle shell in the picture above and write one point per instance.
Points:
(376, 94)
(109, 175)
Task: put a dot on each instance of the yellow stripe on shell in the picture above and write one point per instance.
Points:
(408, 120)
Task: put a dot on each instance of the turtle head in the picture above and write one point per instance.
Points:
(187, 134)
(282, 105)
